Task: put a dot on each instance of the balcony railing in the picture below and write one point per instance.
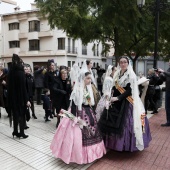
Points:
(72, 50)
(34, 29)
(45, 34)
(68, 49)
(34, 48)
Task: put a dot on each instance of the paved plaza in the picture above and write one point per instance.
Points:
(34, 152)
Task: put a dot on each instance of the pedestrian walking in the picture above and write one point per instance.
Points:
(18, 98)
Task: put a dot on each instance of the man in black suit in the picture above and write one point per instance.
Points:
(166, 77)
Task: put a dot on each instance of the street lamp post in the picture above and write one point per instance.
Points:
(140, 4)
(156, 33)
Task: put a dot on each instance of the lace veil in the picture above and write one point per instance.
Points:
(74, 73)
(84, 68)
(77, 94)
(108, 82)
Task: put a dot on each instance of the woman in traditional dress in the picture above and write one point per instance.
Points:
(124, 124)
(107, 91)
(108, 80)
(77, 138)
(87, 67)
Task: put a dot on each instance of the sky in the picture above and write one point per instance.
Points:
(24, 4)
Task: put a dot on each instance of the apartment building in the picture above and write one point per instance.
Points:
(29, 35)
(6, 6)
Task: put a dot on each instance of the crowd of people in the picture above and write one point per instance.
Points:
(95, 109)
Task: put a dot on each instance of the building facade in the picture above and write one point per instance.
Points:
(6, 6)
(29, 35)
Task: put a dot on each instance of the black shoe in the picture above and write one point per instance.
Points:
(16, 134)
(34, 116)
(24, 136)
(47, 120)
(51, 117)
(165, 125)
(26, 127)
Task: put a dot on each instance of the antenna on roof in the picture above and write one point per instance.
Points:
(17, 8)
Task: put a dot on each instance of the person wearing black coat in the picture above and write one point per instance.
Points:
(39, 82)
(153, 79)
(165, 76)
(17, 96)
(61, 93)
(47, 104)
(49, 76)
(30, 85)
(157, 98)
(49, 79)
(3, 89)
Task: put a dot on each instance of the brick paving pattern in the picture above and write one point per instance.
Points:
(155, 157)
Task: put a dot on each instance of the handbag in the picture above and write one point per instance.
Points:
(27, 114)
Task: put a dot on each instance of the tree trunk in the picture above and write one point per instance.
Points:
(134, 62)
(116, 37)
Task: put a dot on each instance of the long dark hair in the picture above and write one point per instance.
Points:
(17, 62)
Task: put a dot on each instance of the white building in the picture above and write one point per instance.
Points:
(29, 35)
(6, 6)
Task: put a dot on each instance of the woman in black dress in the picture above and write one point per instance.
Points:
(61, 93)
(17, 96)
